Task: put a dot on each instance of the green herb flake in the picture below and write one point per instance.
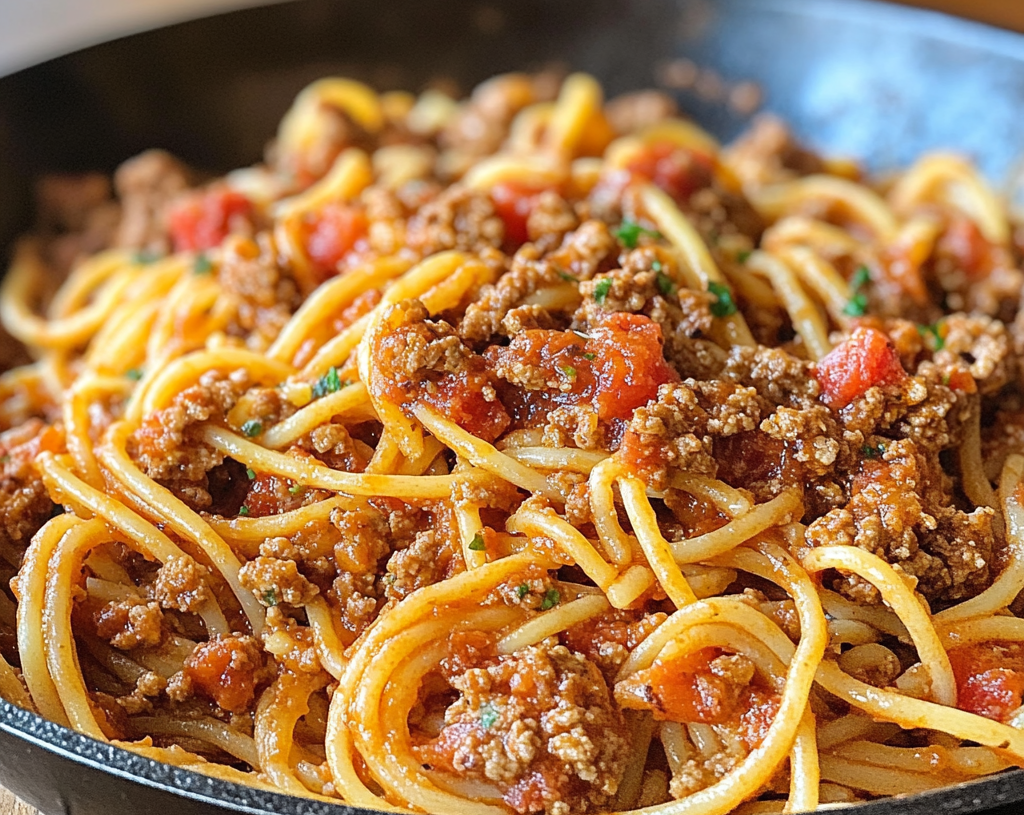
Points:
(252, 428)
(295, 489)
(589, 356)
(568, 278)
(250, 473)
(934, 332)
(551, 599)
(858, 305)
(488, 715)
(243, 510)
(144, 257)
(656, 265)
(665, 284)
(724, 305)
(873, 452)
(567, 371)
(328, 383)
(477, 544)
(134, 374)
(629, 233)
(522, 590)
(744, 256)
(202, 265)
(601, 290)
(270, 597)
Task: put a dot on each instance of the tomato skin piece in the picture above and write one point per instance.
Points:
(514, 202)
(203, 220)
(866, 359)
(332, 234)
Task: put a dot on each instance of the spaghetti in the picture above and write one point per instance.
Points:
(526, 453)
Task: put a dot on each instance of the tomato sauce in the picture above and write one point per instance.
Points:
(676, 170)
(514, 202)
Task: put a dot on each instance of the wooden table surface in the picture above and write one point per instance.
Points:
(1007, 13)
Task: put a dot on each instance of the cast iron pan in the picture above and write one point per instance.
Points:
(878, 82)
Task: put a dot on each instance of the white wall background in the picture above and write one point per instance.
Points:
(34, 30)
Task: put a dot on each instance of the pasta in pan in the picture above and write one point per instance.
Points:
(524, 453)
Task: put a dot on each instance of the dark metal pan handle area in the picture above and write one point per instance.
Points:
(877, 82)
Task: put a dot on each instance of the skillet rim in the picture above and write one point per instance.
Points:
(979, 795)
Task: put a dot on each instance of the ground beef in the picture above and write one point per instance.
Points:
(983, 344)
(897, 513)
(265, 295)
(181, 585)
(431, 557)
(146, 185)
(166, 447)
(459, 218)
(129, 624)
(639, 109)
(768, 153)
(540, 723)
(25, 504)
(275, 581)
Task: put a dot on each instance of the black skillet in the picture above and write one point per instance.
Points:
(878, 82)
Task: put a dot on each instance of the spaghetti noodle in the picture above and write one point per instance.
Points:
(526, 453)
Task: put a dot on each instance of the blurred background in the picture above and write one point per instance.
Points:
(35, 29)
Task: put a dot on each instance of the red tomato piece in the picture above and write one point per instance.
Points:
(866, 359)
(332, 234)
(989, 678)
(514, 202)
(224, 670)
(965, 243)
(676, 170)
(203, 220)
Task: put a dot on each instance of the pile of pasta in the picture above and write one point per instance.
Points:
(126, 334)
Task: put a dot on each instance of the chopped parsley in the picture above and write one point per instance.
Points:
(551, 599)
(601, 290)
(250, 473)
(934, 331)
(202, 265)
(134, 374)
(873, 452)
(858, 305)
(144, 257)
(629, 233)
(488, 715)
(565, 275)
(328, 383)
(252, 428)
(568, 371)
(723, 305)
(270, 597)
(243, 510)
(744, 256)
(295, 489)
(665, 284)
(522, 590)
(589, 356)
(477, 544)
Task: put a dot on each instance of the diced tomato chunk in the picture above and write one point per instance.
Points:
(989, 678)
(676, 170)
(514, 202)
(203, 220)
(965, 243)
(224, 670)
(866, 359)
(617, 368)
(332, 233)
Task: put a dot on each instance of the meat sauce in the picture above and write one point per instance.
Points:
(989, 678)
(866, 359)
